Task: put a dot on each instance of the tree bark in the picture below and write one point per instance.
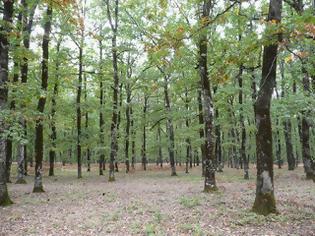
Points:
(243, 156)
(39, 128)
(4, 64)
(209, 162)
(309, 163)
(160, 145)
(101, 114)
(88, 152)
(144, 135)
(188, 142)
(128, 100)
(79, 113)
(170, 127)
(53, 136)
(265, 201)
(15, 81)
(114, 130)
(133, 142)
(201, 131)
(27, 20)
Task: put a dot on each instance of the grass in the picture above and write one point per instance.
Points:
(192, 229)
(189, 202)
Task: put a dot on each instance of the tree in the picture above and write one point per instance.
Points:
(27, 21)
(114, 131)
(53, 136)
(39, 128)
(265, 201)
(209, 162)
(5, 29)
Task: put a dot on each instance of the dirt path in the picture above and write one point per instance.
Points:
(153, 203)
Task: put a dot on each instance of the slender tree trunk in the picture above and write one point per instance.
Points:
(160, 145)
(242, 123)
(144, 135)
(101, 115)
(118, 123)
(88, 152)
(170, 127)
(265, 201)
(79, 113)
(188, 142)
(4, 62)
(114, 130)
(201, 132)
(133, 142)
(27, 20)
(218, 147)
(39, 128)
(288, 142)
(128, 100)
(287, 127)
(53, 136)
(309, 164)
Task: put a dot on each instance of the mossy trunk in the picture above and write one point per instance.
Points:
(210, 159)
(265, 201)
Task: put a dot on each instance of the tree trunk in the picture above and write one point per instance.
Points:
(243, 156)
(201, 131)
(265, 201)
(170, 127)
(160, 145)
(144, 136)
(128, 100)
(39, 128)
(79, 115)
(4, 64)
(27, 21)
(209, 162)
(101, 114)
(114, 130)
(53, 136)
(288, 143)
(188, 142)
(309, 164)
(118, 123)
(88, 153)
(218, 147)
(133, 142)
(9, 150)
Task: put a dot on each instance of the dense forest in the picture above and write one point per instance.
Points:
(193, 86)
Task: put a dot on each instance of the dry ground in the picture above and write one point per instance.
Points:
(154, 203)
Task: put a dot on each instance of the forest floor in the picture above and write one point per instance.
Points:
(154, 203)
